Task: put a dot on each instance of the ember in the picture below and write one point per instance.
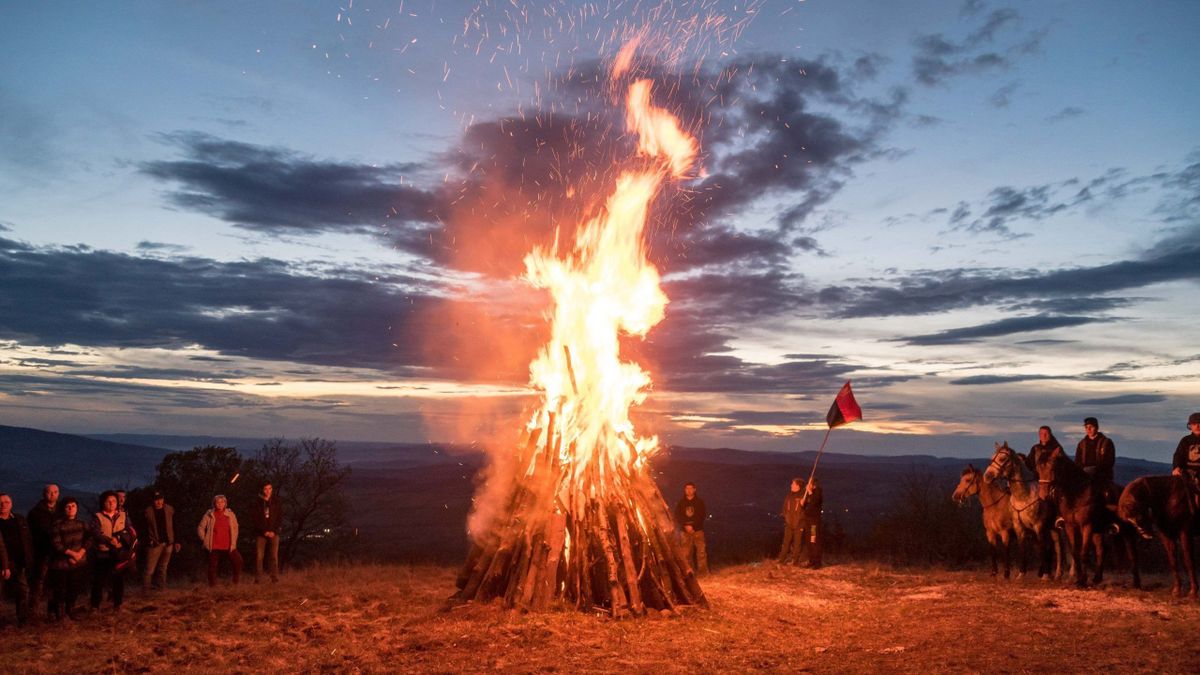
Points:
(584, 521)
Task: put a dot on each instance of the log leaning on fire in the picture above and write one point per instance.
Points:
(616, 555)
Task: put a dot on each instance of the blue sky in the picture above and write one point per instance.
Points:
(266, 218)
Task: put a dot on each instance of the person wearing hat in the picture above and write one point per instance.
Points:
(1096, 454)
(160, 544)
(1186, 462)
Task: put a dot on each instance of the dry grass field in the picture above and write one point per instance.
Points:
(843, 618)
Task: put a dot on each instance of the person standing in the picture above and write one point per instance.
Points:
(813, 501)
(68, 564)
(793, 524)
(41, 521)
(160, 544)
(112, 534)
(218, 529)
(689, 516)
(1186, 461)
(266, 516)
(17, 561)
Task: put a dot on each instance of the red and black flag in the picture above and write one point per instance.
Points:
(844, 409)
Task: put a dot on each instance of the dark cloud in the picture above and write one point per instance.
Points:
(260, 308)
(1008, 379)
(1002, 97)
(284, 192)
(1066, 114)
(1003, 327)
(1124, 399)
(938, 58)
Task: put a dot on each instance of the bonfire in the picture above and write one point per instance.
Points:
(584, 522)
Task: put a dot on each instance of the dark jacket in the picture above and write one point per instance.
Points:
(1098, 452)
(153, 536)
(23, 545)
(266, 515)
(69, 535)
(792, 511)
(41, 522)
(813, 503)
(1187, 454)
(690, 512)
(1038, 451)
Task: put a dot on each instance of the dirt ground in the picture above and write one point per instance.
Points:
(843, 618)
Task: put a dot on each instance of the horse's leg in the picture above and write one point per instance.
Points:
(1006, 539)
(1131, 546)
(1098, 544)
(993, 548)
(1039, 543)
(1189, 559)
(1059, 551)
(1169, 545)
(1075, 537)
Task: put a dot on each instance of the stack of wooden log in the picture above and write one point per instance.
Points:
(590, 536)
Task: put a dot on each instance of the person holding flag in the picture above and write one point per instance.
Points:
(843, 411)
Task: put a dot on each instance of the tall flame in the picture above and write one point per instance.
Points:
(604, 287)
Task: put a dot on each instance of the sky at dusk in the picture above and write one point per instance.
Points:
(291, 219)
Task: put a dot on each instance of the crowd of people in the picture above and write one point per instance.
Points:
(50, 555)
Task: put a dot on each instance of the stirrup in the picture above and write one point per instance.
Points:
(1059, 523)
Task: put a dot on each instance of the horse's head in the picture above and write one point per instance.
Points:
(1049, 469)
(1134, 509)
(1003, 464)
(968, 485)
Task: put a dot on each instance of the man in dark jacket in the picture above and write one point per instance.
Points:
(812, 503)
(266, 517)
(1046, 444)
(689, 516)
(16, 557)
(41, 521)
(160, 541)
(793, 523)
(1096, 455)
(1186, 462)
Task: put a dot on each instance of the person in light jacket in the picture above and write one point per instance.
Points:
(218, 530)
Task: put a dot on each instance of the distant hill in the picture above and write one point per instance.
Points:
(393, 455)
(30, 458)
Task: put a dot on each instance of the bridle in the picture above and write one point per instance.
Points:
(976, 480)
(1001, 467)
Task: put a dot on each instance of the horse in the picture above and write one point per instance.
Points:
(1162, 504)
(1032, 515)
(997, 516)
(1085, 514)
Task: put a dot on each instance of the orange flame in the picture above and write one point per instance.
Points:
(604, 287)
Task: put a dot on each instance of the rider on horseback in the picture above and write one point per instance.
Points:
(1186, 462)
(1096, 455)
(1046, 444)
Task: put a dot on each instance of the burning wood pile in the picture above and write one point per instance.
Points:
(584, 522)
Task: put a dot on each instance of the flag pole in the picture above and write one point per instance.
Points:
(818, 457)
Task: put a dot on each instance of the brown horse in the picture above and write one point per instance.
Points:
(997, 516)
(1085, 515)
(1163, 504)
(1033, 517)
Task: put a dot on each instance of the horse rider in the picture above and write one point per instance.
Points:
(1186, 462)
(1046, 444)
(1096, 455)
